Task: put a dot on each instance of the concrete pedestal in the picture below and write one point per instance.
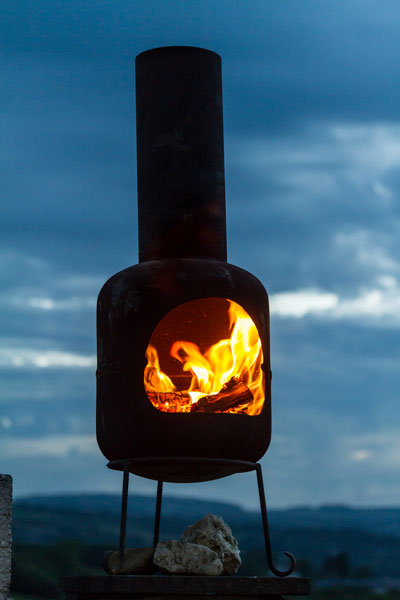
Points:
(182, 587)
(5, 534)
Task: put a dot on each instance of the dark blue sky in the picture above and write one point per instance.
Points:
(312, 145)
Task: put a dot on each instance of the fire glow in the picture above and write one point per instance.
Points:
(226, 378)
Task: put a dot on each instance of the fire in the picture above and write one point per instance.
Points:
(227, 377)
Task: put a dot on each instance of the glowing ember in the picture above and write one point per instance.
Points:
(227, 377)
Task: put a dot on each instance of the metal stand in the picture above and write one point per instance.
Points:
(158, 513)
(124, 509)
(127, 465)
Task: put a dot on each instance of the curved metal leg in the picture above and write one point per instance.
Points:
(267, 540)
(124, 507)
(158, 513)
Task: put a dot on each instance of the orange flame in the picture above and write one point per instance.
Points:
(226, 378)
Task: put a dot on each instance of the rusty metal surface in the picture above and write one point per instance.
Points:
(180, 154)
(181, 469)
(129, 307)
(181, 200)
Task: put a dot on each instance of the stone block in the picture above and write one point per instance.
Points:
(5, 534)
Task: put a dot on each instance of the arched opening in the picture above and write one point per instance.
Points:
(205, 356)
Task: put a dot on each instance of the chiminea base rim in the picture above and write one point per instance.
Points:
(178, 469)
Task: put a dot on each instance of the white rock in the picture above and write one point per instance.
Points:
(213, 532)
(183, 557)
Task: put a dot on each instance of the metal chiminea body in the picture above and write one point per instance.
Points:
(183, 302)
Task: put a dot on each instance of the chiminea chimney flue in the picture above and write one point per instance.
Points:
(180, 154)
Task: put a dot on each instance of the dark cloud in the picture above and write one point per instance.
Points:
(312, 168)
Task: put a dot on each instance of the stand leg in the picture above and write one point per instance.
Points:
(158, 513)
(124, 507)
(267, 540)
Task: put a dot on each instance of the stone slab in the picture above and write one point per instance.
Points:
(5, 534)
(168, 587)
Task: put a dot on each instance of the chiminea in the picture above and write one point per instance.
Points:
(183, 379)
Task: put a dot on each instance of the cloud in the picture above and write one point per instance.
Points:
(366, 250)
(381, 449)
(323, 211)
(302, 302)
(378, 305)
(74, 303)
(57, 446)
(370, 149)
(360, 455)
(324, 155)
(27, 358)
(47, 316)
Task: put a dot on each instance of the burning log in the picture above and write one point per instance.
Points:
(234, 394)
(170, 401)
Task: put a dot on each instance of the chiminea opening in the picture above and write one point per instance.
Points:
(205, 356)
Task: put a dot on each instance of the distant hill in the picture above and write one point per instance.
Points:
(95, 517)
(191, 508)
(63, 535)
(375, 520)
(369, 539)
